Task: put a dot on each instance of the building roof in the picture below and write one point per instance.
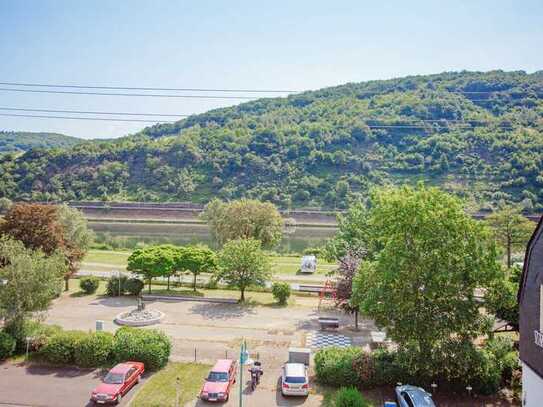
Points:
(527, 256)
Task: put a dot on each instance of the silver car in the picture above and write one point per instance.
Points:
(412, 396)
(294, 380)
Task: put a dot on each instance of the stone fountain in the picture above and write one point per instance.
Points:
(139, 316)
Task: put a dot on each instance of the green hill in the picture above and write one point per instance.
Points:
(16, 141)
(479, 135)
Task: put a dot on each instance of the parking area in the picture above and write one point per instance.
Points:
(50, 387)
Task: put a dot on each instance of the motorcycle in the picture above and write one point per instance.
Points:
(256, 371)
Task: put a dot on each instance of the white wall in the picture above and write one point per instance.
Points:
(532, 388)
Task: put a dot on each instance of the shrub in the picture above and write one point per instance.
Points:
(151, 347)
(39, 334)
(61, 347)
(281, 292)
(349, 397)
(94, 349)
(133, 286)
(334, 366)
(89, 284)
(315, 251)
(112, 287)
(7, 345)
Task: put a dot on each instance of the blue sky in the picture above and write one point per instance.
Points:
(244, 44)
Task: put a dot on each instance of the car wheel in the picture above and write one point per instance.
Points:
(118, 399)
(138, 379)
(227, 397)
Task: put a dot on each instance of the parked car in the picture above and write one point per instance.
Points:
(118, 382)
(294, 380)
(412, 396)
(219, 382)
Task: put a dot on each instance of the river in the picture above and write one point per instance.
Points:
(130, 235)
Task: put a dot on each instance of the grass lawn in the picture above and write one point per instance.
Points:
(160, 389)
(280, 264)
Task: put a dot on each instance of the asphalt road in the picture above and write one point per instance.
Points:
(49, 387)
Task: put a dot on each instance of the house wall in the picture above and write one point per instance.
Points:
(532, 387)
(531, 351)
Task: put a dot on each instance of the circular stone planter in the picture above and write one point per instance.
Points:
(139, 318)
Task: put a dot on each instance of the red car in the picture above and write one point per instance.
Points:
(219, 381)
(117, 382)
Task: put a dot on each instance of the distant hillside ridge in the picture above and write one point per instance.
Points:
(478, 135)
(17, 141)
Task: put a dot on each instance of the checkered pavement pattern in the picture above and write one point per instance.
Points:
(318, 340)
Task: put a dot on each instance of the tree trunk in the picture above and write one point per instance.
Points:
(194, 283)
(66, 283)
(150, 285)
(168, 283)
(242, 299)
(508, 252)
(356, 320)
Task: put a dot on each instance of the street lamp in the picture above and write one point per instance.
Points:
(469, 389)
(434, 387)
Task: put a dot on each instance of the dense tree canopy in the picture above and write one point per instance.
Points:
(196, 260)
(511, 229)
(242, 264)
(32, 281)
(153, 261)
(244, 219)
(478, 135)
(422, 281)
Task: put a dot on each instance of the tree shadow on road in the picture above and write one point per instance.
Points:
(222, 311)
(115, 302)
(63, 371)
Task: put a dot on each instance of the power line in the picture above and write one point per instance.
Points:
(130, 94)
(83, 118)
(371, 126)
(148, 88)
(93, 112)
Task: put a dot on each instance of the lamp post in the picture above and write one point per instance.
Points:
(469, 389)
(434, 387)
(177, 391)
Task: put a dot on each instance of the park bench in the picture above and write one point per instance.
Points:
(328, 322)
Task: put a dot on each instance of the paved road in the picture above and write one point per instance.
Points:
(49, 387)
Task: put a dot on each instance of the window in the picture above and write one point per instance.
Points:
(130, 373)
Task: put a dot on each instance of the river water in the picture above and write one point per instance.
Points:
(130, 235)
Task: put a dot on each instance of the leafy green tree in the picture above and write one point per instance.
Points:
(78, 238)
(421, 284)
(31, 280)
(242, 263)
(352, 234)
(511, 229)
(195, 259)
(501, 297)
(244, 219)
(5, 204)
(153, 261)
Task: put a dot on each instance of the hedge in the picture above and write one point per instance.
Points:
(7, 345)
(350, 397)
(94, 350)
(61, 347)
(112, 287)
(149, 346)
(334, 366)
(89, 284)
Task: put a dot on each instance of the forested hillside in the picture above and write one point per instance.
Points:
(15, 141)
(479, 135)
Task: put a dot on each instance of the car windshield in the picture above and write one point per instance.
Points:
(217, 377)
(295, 379)
(114, 378)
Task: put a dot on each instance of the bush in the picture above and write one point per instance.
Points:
(349, 397)
(133, 286)
(61, 347)
(334, 366)
(112, 287)
(151, 347)
(315, 251)
(94, 350)
(7, 345)
(281, 292)
(39, 334)
(89, 284)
